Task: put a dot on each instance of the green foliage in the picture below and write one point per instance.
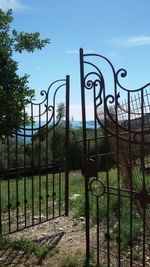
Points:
(60, 111)
(75, 151)
(8, 150)
(27, 246)
(71, 261)
(106, 159)
(77, 187)
(26, 185)
(77, 206)
(75, 260)
(78, 260)
(57, 142)
(56, 146)
(15, 93)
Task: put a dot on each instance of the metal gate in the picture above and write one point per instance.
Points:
(34, 163)
(116, 166)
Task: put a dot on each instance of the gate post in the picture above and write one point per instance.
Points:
(85, 157)
(67, 146)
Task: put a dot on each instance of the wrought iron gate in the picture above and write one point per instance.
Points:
(116, 166)
(34, 163)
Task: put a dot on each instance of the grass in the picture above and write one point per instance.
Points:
(30, 247)
(72, 261)
(123, 213)
(31, 200)
(78, 260)
(30, 189)
(108, 205)
(77, 187)
(117, 209)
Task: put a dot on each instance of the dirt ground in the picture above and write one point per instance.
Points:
(67, 237)
(66, 234)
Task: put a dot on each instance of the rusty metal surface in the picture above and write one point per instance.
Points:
(122, 120)
(33, 177)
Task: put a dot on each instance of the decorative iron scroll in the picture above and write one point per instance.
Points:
(40, 114)
(127, 123)
(43, 112)
(110, 111)
(124, 129)
(34, 167)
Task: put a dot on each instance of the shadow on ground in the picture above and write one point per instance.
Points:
(12, 257)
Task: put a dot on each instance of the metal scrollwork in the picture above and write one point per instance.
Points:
(44, 110)
(121, 136)
(115, 115)
(91, 83)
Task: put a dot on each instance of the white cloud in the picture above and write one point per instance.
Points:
(11, 4)
(131, 41)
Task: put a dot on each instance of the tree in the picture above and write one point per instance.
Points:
(15, 93)
(60, 111)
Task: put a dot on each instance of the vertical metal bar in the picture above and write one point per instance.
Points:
(118, 175)
(108, 205)
(47, 158)
(97, 228)
(8, 188)
(60, 192)
(32, 165)
(1, 227)
(53, 194)
(39, 163)
(146, 107)
(53, 161)
(67, 146)
(17, 191)
(107, 180)
(148, 101)
(97, 198)
(85, 157)
(89, 147)
(25, 191)
(130, 177)
(143, 174)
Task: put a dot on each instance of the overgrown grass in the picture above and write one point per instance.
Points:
(40, 250)
(31, 200)
(72, 261)
(121, 212)
(76, 186)
(31, 190)
(78, 260)
(118, 212)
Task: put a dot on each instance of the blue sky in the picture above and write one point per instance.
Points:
(120, 30)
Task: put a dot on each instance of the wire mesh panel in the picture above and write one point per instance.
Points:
(117, 168)
(34, 162)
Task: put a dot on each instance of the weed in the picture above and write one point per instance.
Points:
(71, 261)
(27, 246)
